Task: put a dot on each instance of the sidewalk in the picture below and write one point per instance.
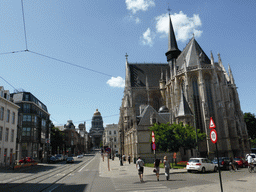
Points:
(247, 184)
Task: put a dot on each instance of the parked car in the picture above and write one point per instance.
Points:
(70, 160)
(27, 160)
(200, 164)
(241, 162)
(80, 156)
(52, 159)
(59, 157)
(223, 161)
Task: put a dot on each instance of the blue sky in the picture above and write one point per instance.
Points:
(97, 35)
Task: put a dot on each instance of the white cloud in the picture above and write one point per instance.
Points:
(183, 25)
(147, 37)
(139, 5)
(116, 82)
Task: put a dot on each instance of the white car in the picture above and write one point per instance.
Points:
(79, 156)
(200, 164)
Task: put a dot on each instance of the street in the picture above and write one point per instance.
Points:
(90, 173)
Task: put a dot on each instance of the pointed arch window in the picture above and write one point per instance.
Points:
(197, 108)
(208, 89)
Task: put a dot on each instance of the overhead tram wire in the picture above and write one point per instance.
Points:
(13, 52)
(72, 64)
(8, 83)
(25, 33)
(102, 117)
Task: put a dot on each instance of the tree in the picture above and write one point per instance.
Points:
(172, 137)
(57, 139)
(250, 121)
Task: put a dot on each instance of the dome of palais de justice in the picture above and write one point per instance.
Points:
(96, 113)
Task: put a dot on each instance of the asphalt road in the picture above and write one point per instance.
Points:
(83, 175)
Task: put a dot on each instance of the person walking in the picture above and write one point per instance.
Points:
(156, 165)
(129, 159)
(140, 167)
(166, 167)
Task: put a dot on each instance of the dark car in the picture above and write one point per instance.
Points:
(223, 161)
(52, 159)
(70, 160)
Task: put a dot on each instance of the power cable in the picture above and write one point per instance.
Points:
(8, 83)
(72, 64)
(13, 52)
(91, 119)
(25, 33)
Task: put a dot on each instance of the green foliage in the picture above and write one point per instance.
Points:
(250, 121)
(172, 137)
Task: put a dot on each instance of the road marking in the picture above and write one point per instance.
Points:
(54, 188)
(86, 164)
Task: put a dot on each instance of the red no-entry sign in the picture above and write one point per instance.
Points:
(213, 135)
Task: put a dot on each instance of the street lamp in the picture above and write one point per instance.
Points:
(121, 161)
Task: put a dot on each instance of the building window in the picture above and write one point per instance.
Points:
(26, 97)
(109, 132)
(6, 134)
(1, 133)
(26, 131)
(114, 139)
(26, 117)
(13, 117)
(114, 132)
(26, 108)
(209, 95)
(197, 108)
(2, 114)
(8, 115)
(12, 135)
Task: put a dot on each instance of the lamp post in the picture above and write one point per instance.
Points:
(121, 161)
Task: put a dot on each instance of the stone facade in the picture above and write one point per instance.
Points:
(97, 129)
(111, 137)
(193, 88)
(8, 128)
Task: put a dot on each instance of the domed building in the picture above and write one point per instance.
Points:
(97, 129)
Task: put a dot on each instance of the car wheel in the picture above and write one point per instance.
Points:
(215, 169)
(243, 165)
(203, 170)
(189, 171)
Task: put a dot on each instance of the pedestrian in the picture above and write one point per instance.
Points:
(124, 158)
(166, 168)
(140, 167)
(156, 165)
(129, 159)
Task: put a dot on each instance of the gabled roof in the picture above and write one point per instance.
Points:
(184, 109)
(139, 72)
(146, 115)
(191, 54)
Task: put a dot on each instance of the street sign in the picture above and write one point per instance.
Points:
(108, 150)
(213, 135)
(212, 124)
(153, 137)
(154, 146)
(174, 155)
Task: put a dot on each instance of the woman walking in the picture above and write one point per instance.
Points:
(166, 167)
(156, 165)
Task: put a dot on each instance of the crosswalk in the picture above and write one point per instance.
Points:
(134, 185)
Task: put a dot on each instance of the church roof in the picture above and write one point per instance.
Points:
(139, 72)
(184, 109)
(146, 115)
(191, 54)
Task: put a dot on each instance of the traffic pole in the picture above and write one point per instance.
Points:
(219, 167)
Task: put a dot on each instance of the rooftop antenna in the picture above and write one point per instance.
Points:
(169, 10)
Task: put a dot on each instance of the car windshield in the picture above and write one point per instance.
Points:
(194, 160)
(253, 156)
(237, 159)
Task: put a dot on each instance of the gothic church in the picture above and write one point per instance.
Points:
(191, 88)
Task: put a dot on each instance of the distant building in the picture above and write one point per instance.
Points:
(8, 128)
(33, 122)
(71, 138)
(111, 137)
(84, 137)
(97, 129)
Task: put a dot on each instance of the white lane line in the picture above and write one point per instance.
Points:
(54, 188)
(86, 164)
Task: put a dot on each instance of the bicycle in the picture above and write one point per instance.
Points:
(251, 168)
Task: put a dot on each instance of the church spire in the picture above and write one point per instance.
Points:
(173, 50)
(231, 78)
